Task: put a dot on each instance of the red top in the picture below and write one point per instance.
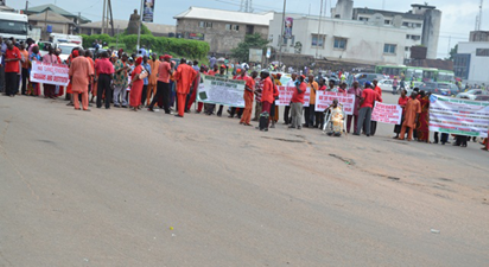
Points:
(212, 73)
(164, 72)
(378, 91)
(402, 102)
(135, 72)
(104, 66)
(369, 97)
(267, 91)
(12, 66)
(299, 97)
(323, 88)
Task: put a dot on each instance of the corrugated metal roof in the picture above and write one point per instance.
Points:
(122, 25)
(262, 19)
(56, 9)
(50, 17)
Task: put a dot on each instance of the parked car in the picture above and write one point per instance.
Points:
(386, 85)
(446, 89)
(362, 78)
(66, 50)
(453, 89)
(484, 98)
(471, 94)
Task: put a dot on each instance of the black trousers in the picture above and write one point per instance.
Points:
(103, 85)
(144, 94)
(233, 112)
(163, 90)
(444, 138)
(2, 79)
(25, 73)
(11, 82)
(286, 115)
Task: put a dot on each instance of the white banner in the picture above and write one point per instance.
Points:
(56, 74)
(459, 116)
(387, 113)
(286, 93)
(218, 90)
(325, 98)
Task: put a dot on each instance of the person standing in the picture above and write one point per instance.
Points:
(258, 91)
(319, 115)
(80, 73)
(145, 67)
(413, 109)
(248, 98)
(184, 77)
(209, 108)
(403, 99)
(423, 122)
(121, 76)
(290, 84)
(50, 58)
(309, 111)
(136, 85)
(297, 102)
(165, 71)
(267, 94)
(154, 64)
(25, 68)
(91, 86)
(105, 71)
(367, 101)
(373, 124)
(394, 86)
(193, 88)
(33, 88)
(357, 91)
(12, 68)
(3, 49)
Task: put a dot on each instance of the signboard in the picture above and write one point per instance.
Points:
(289, 23)
(325, 98)
(387, 113)
(269, 52)
(148, 10)
(195, 36)
(219, 90)
(255, 54)
(459, 116)
(285, 96)
(56, 74)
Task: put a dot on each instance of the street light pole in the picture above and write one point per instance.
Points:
(140, 24)
(282, 35)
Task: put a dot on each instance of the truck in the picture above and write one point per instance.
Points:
(59, 38)
(14, 25)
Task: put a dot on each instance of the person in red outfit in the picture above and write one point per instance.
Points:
(367, 101)
(248, 98)
(184, 76)
(12, 69)
(80, 73)
(136, 85)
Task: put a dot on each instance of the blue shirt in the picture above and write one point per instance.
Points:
(147, 67)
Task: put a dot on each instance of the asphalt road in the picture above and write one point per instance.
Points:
(121, 188)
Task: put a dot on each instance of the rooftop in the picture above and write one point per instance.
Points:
(122, 25)
(261, 19)
(55, 9)
(51, 17)
(407, 15)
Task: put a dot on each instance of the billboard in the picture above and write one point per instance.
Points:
(255, 55)
(148, 10)
(289, 22)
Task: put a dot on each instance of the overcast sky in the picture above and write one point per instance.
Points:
(457, 21)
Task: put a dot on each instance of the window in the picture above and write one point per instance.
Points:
(408, 36)
(231, 27)
(387, 22)
(390, 48)
(363, 19)
(227, 27)
(205, 24)
(406, 48)
(416, 37)
(318, 40)
(201, 24)
(405, 24)
(417, 25)
(250, 29)
(482, 52)
(340, 43)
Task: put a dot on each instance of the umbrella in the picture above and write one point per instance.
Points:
(221, 59)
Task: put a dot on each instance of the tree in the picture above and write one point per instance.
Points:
(453, 52)
(242, 51)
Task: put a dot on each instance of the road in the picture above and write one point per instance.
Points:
(122, 188)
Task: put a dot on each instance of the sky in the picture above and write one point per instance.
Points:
(458, 17)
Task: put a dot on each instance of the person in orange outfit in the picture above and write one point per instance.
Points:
(184, 76)
(248, 98)
(154, 63)
(136, 85)
(412, 110)
(80, 73)
(88, 55)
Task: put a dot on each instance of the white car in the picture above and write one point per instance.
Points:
(66, 50)
(386, 85)
(471, 94)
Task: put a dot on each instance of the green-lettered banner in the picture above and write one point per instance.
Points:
(220, 90)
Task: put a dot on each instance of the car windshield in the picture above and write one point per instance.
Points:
(472, 92)
(66, 49)
(13, 27)
(444, 86)
(429, 85)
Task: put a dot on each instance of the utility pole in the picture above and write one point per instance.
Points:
(140, 24)
(26, 6)
(282, 35)
(319, 28)
(111, 19)
(479, 17)
(103, 17)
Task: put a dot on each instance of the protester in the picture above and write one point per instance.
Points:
(136, 85)
(290, 84)
(423, 122)
(297, 102)
(194, 87)
(403, 99)
(80, 74)
(25, 68)
(337, 119)
(50, 58)
(378, 90)
(121, 75)
(357, 91)
(258, 94)
(367, 101)
(154, 65)
(184, 77)
(320, 114)
(309, 111)
(210, 107)
(165, 71)
(33, 88)
(105, 71)
(267, 95)
(274, 110)
(12, 68)
(248, 97)
(147, 68)
(413, 109)
(91, 87)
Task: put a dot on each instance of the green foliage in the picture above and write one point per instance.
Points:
(144, 30)
(182, 47)
(242, 52)
(453, 52)
(88, 39)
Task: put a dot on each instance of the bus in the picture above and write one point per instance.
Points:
(417, 74)
(391, 70)
(14, 25)
(445, 76)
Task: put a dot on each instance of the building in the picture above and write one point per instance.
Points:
(341, 40)
(422, 24)
(222, 29)
(121, 25)
(472, 60)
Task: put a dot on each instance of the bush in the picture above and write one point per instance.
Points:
(174, 46)
(88, 39)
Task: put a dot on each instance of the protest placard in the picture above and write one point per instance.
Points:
(56, 74)
(459, 116)
(220, 90)
(325, 98)
(285, 96)
(387, 113)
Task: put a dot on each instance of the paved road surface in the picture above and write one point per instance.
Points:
(106, 188)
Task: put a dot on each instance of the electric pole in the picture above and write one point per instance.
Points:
(103, 17)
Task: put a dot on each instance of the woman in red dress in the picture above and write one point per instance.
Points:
(403, 99)
(423, 122)
(136, 85)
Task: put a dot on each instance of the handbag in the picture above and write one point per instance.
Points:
(143, 74)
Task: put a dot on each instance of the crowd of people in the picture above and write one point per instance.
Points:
(145, 80)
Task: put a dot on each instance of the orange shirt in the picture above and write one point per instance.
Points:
(184, 76)
(250, 84)
(12, 66)
(314, 87)
(80, 71)
(413, 107)
(25, 56)
(155, 67)
(378, 91)
(164, 72)
(267, 91)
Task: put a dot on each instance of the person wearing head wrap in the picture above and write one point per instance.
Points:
(297, 102)
(80, 73)
(267, 94)
(184, 76)
(136, 85)
(367, 101)
(154, 65)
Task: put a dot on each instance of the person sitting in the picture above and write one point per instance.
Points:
(337, 118)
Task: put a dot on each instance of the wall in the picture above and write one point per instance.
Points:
(478, 64)
(431, 31)
(479, 36)
(365, 43)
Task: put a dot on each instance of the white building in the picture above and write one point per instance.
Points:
(372, 42)
(471, 62)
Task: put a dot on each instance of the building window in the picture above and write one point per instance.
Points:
(405, 24)
(363, 19)
(387, 22)
(231, 27)
(390, 48)
(482, 52)
(201, 24)
(318, 40)
(205, 24)
(340, 43)
(408, 36)
(250, 29)
(417, 25)
(416, 37)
